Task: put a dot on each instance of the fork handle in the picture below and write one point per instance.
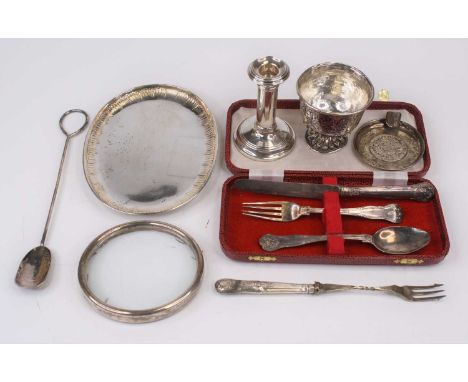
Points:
(231, 286)
(391, 212)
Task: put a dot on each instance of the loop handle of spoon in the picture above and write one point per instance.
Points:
(79, 130)
(69, 135)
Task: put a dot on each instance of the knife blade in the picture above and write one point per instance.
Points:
(421, 191)
(298, 190)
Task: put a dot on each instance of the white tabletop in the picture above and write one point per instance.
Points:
(40, 79)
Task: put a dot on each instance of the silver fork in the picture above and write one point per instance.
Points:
(283, 211)
(407, 292)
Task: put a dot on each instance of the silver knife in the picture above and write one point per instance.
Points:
(421, 192)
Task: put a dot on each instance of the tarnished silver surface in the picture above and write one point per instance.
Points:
(407, 292)
(333, 99)
(264, 136)
(421, 192)
(34, 267)
(151, 149)
(284, 211)
(393, 240)
(146, 315)
(389, 144)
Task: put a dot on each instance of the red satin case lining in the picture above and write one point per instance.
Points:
(239, 234)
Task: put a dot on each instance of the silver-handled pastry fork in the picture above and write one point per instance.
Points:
(407, 292)
(283, 211)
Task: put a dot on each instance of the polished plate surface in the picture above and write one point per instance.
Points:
(388, 148)
(150, 150)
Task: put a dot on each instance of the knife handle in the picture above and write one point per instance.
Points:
(231, 286)
(421, 192)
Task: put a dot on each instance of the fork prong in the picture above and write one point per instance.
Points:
(262, 217)
(433, 298)
(428, 292)
(265, 213)
(265, 203)
(416, 287)
(265, 208)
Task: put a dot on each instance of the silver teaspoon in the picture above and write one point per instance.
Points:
(393, 240)
(34, 267)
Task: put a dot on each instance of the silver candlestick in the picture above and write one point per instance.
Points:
(264, 136)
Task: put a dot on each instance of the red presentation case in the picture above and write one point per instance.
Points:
(239, 234)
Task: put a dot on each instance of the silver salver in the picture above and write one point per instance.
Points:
(151, 149)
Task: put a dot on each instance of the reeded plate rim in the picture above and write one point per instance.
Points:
(139, 94)
(380, 124)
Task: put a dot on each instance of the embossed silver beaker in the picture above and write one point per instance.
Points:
(265, 136)
(333, 99)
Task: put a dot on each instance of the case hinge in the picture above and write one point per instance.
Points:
(272, 175)
(390, 178)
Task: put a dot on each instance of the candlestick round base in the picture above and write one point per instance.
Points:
(269, 146)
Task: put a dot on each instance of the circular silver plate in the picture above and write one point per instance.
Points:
(94, 251)
(150, 150)
(388, 148)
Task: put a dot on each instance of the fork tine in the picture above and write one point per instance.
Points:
(265, 213)
(264, 203)
(428, 292)
(416, 287)
(262, 217)
(428, 298)
(265, 208)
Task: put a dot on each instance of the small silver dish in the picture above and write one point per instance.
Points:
(389, 144)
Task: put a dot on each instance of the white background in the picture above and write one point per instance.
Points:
(39, 80)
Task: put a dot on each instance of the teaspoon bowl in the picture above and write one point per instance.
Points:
(34, 267)
(400, 240)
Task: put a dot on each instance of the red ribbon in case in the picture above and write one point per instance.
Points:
(332, 219)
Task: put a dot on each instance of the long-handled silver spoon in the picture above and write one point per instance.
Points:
(34, 267)
(393, 240)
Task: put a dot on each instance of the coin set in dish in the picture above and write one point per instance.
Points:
(152, 149)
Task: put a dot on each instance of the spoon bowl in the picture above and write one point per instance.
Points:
(400, 240)
(34, 267)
